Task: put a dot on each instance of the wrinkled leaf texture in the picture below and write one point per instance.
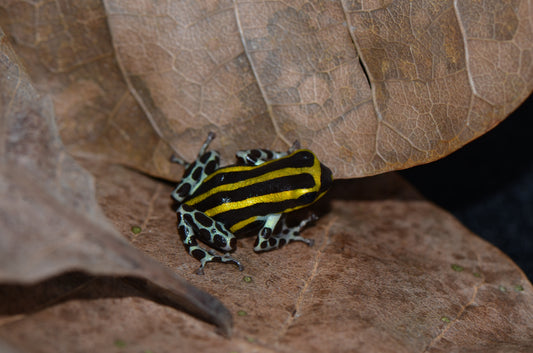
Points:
(50, 220)
(369, 86)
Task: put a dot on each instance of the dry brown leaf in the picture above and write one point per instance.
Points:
(50, 220)
(67, 51)
(389, 272)
(438, 74)
(369, 86)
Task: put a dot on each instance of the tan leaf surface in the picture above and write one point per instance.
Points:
(370, 86)
(389, 272)
(50, 220)
(67, 51)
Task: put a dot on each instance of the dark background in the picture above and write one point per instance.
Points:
(488, 185)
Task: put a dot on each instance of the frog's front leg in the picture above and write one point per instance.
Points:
(259, 156)
(193, 225)
(288, 234)
(285, 235)
(264, 241)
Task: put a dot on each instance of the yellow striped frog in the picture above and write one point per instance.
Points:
(218, 204)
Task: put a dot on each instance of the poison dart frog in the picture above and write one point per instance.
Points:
(218, 204)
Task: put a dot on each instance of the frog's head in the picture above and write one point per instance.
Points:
(326, 180)
(311, 166)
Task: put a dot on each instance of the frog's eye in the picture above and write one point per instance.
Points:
(305, 156)
(326, 179)
(307, 198)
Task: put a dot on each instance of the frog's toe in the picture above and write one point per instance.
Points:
(227, 258)
(241, 267)
(200, 270)
(211, 256)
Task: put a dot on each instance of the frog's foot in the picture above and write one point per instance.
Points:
(205, 256)
(194, 225)
(175, 159)
(285, 235)
(289, 234)
(295, 146)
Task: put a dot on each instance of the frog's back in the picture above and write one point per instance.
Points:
(237, 193)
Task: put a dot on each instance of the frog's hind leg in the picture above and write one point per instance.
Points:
(195, 173)
(194, 225)
(210, 137)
